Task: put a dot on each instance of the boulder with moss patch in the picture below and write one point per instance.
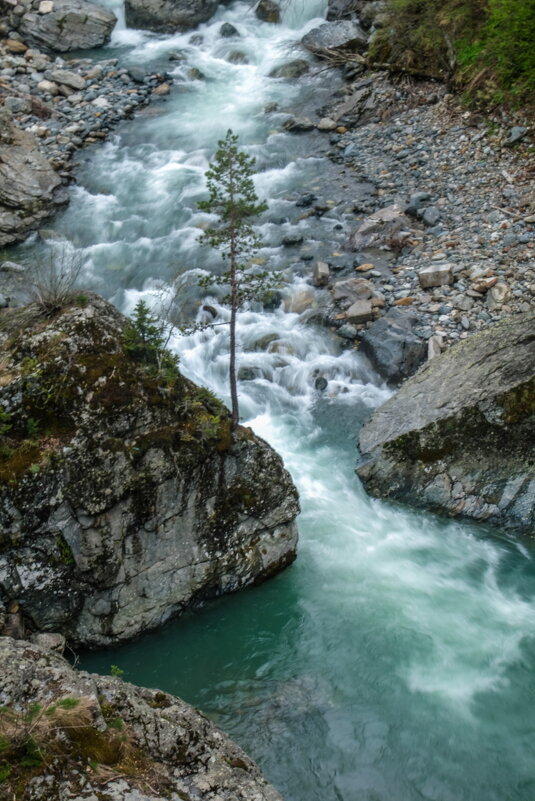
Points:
(458, 436)
(124, 495)
(71, 734)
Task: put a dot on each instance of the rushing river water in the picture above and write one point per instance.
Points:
(394, 660)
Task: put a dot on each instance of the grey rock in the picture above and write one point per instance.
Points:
(516, 134)
(181, 750)
(294, 69)
(321, 274)
(237, 57)
(393, 348)
(66, 77)
(268, 11)
(71, 25)
(228, 31)
(352, 289)
(150, 506)
(30, 190)
(431, 216)
(466, 417)
(168, 16)
(359, 312)
(348, 331)
(341, 36)
(292, 239)
(436, 275)
(18, 105)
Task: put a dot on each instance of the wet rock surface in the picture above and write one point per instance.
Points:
(62, 25)
(458, 436)
(102, 737)
(168, 16)
(130, 499)
(53, 107)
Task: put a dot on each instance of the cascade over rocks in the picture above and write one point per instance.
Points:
(130, 500)
(458, 437)
(168, 16)
(102, 737)
(63, 25)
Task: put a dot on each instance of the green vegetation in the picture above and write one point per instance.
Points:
(486, 46)
(232, 197)
(146, 340)
(42, 738)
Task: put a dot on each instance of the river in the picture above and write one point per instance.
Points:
(394, 660)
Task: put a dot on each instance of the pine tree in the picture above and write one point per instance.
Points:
(146, 339)
(232, 197)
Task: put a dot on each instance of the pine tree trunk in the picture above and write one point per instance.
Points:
(232, 368)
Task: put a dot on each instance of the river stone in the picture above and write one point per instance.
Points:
(436, 275)
(143, 503)
(268, 11)
(359, 312)
(71, 25)
(168, 16)
(293, 69)
(227, 31)
(352, 289)
(465, 419)
(173, 746)
(321, 274)
(335, 37)
(343, 9)
(67, 78)
(393, 348)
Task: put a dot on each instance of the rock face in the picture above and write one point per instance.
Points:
(30, 190)
(340, 36)
(101, 737)
(167, 16)
(63, 25)
(392, 346)
(124, 498)
(458, 437)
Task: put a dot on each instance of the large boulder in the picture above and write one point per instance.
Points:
(458, 437)
(330, 38)
(63, 25)
(84, 736)
(268, 11)
(30, 190)
(393, 348)
(124, 496)
(168, 16)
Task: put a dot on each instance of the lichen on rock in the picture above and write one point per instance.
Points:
(124, 496)
(458, 437)
(71, 734)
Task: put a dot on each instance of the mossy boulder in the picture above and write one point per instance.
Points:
(458, 436)
(124, 495)
(71, 734)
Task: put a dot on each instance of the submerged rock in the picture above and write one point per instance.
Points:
(99, 736)
(68, 25)
(268, 11)
(168, 16)
(458, 437)
(124, 497)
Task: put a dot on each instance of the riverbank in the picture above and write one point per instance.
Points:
(59, 105)
(448, 234)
